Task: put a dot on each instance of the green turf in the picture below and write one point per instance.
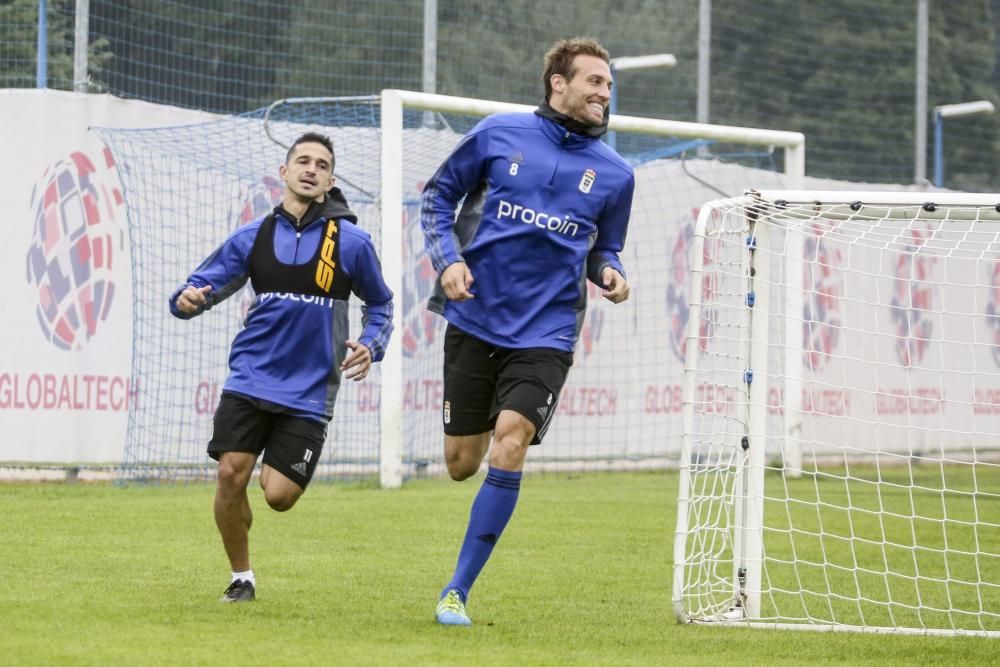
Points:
(854, 532)
(105, 575)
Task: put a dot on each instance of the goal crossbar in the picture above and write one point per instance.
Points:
(618, 401)
(393, 103)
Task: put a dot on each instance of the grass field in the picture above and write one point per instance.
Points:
(895, 543)
(109, 575)
(902, 546)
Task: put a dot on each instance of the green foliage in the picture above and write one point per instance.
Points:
(967, 39)
(19, 45)
(507, 51)
(219, 55)
(841, 72)
(125, 576)
(342, 53)
(844, 74)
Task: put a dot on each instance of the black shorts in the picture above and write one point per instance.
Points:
(481, 379)
(291, 444)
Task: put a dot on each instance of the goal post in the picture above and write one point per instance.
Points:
(395, 102)
(186, 188)
(861, 332)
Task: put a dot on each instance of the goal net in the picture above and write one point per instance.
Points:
(840, 466)
(186, 188)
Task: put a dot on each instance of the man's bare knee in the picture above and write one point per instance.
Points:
(461, 465)
(281, 502)
(280, 492)
(508, 454)
(462, 470)
(513, 437)
(231, 477)
(464, 454)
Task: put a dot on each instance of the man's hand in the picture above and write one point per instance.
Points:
(617, 289)
(358, 361)
(456, 281)
(192, 299)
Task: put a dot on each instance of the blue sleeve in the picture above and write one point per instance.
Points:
(362, 266)
(457, 176)
(226, 270)
(611, 230)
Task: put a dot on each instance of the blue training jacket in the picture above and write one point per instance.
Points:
(292, 344)
(545, 208)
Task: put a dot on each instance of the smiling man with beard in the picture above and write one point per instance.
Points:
(546, 206)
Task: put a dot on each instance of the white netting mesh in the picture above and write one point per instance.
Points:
(880, 473)
(187, 188)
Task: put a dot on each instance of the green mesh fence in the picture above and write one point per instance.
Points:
(843, 73)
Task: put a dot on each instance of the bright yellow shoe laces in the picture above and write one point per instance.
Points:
(453, 603)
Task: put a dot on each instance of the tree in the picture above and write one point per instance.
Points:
(199, 54)
(963, 61)
(495, 51)
(841, 72)
(844, 74)
(337, 52)
(19, 45)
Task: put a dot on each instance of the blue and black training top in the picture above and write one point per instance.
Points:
(545, 208)
(302, 271)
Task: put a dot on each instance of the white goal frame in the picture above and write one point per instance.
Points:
(393, 103)
(747, 528)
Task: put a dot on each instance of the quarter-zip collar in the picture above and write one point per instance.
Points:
(333, 207)
(571, 124)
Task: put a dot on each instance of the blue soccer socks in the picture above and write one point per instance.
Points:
(491, 510)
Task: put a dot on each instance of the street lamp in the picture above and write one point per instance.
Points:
(951, 111)
(633, 62)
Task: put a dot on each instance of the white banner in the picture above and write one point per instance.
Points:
(901, 351)
(66, 387)
(65, 365)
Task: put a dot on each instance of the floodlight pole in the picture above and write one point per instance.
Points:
(952, 111)
(430, 54)
(42, 55)
(81, 36)
(920, 115)
(704, 59)
(633, 62)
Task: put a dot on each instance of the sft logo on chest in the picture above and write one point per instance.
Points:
(327, 262)
(587, 181)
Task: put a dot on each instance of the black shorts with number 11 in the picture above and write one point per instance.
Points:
(481, 379)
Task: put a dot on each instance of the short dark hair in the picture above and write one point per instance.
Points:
(559, 58)
(312, 138)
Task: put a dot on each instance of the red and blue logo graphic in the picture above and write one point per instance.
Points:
(912, 300)
(421, 327)
(824, 288)
(71, 259)
(259, 199)
(678, 303)
(678, 309)
(993, 309)
(593, 324)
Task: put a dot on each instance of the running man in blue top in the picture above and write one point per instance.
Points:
(546, 206)
(303, 260)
